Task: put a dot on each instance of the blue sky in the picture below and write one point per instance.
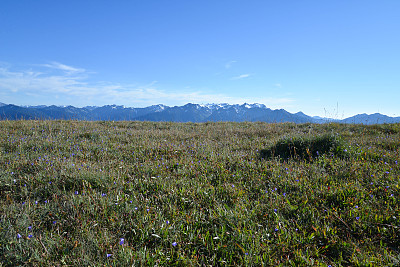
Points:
(325, 58)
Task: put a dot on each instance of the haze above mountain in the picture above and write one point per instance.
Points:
(187, 113)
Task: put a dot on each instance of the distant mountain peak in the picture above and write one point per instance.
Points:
(189, 112)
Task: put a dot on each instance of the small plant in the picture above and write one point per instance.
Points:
(302, 147)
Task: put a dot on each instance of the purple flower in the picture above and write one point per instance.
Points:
(104, 194)
(29, 227)
(357, 218)
(76, 193)
(30, 236)
(276, 229)
(36, 202)
(109, 255)
(275, 210)
(121, 241)
(284, 194)
(174, 244)
(54, 222)
(19, 236)
(356, 206)
(167, 222)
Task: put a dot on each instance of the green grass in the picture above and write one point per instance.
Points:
(252, 194)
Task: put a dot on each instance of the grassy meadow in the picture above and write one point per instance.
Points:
(78, 193)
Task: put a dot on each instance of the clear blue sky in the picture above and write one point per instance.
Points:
(326, 58)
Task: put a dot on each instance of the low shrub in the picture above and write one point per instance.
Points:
(305, 147)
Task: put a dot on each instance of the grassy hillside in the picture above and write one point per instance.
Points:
(141, 193)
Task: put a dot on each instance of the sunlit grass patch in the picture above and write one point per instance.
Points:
(140, 193)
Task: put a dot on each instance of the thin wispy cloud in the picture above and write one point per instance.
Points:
(229, 64)
(63, 67)
(74, 85)
(242, 76)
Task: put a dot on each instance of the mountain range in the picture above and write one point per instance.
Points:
(187, 113)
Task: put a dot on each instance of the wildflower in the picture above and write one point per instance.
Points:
(356, 206)
(30, 236)
(76, 193)
(246, 253)
(36, 202)
(275, 210)
(284, 194)
(19, 236)
(54, 222)
(167, 222)
(174, 244)
(109, 255)
(276, 229)
(357, 218)
(104, 194)
(121, 241)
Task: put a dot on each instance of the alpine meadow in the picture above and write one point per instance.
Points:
(81, 193)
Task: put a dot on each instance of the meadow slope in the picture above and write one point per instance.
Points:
(142, 193)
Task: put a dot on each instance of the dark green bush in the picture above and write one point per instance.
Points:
(305, 147)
